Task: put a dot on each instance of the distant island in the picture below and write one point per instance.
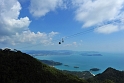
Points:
(61, 52)
(94, 69)
(51, 62)
(76, 67)
(90, 54)
(66, 65)
(49, 52)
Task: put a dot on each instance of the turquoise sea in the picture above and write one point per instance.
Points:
(85, 63)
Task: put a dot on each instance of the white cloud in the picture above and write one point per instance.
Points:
(40, 8)
(93, 12)
(34, 38)
(52, 34)
(99, 12)
(9, 12)
(30, 38)
(14, 30)
(73, 44)
(107, 29)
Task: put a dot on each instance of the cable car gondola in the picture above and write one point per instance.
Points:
(62, 40)
(59, 42)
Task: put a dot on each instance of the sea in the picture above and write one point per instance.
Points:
(85, 63)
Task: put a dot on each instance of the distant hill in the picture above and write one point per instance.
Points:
(61, 52)
(18, 67)
(49, 52)
(110, 75)
(50, 62)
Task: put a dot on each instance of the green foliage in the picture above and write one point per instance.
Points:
(107, 81)
(110, 75)
(18, 67)
(80, 74)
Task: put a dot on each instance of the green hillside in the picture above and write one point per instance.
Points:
(18, 67)
(110, 75)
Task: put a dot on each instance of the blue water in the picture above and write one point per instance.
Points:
(85, 63)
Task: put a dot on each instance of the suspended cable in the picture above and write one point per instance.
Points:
(79, 33)
(64, 38)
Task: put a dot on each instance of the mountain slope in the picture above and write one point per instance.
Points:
(111, 75)
(18, 67)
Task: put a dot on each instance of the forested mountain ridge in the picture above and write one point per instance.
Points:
(110, 75)
(18, 67)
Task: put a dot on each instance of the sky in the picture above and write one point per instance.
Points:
(84, 25)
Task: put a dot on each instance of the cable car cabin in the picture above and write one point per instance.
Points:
(62, 40)
(59, 42)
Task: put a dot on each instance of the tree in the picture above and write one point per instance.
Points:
(107, 81)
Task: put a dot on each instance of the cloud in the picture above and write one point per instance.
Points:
(73, 44)
(10, 24)
(99, 12)
(92, 12)
(29, 38)
(40, 8)
(52, 34)
(107, 29)
(14, 30)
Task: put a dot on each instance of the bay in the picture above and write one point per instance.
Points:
(85, 63)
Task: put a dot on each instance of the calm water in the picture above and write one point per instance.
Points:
(115, 60)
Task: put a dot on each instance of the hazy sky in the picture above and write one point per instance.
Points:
(87, 25)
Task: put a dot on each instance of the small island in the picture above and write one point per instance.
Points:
(51, 62)
(94, 69)
(66, 65)
(76, 67)
(91, 54)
